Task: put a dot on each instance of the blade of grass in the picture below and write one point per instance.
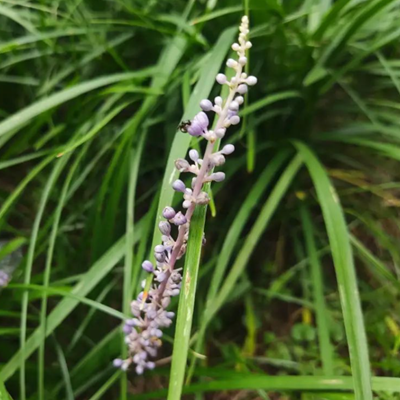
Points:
(278, 383)
(321, 309)
(47, 272)
(29, 265)
(345, 272)
(186, 304)
(254, 236)
(25, 115)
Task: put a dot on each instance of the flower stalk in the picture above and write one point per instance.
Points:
(144, 331)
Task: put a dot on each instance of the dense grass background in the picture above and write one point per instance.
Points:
(91, 95)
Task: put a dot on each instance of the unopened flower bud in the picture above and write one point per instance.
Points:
(234, 106)
(206, 105)
(194, 155)
(147, 266)
(179, 186)
(231, 63)
(218, 101)
(118, 363)
(168, 213)
(251, 80)
(239, 100)
(242, 60)
(235, 47)
(220, 133)
(221, 79)
(234, 120)
(182, 165)
(242, 89)
(159, 248)
(217, 176)
(228, 149)
(165, 228)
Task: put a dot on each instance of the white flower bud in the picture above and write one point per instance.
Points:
(248, 45)
(234, 120)
(221, 79)
(234, 106)
(194, 155)
(243, 60)
(251, 80)
(220, 133)
(239, 100)
(218, 101)
(231, 63)
(242, 89)
(186, 204)
(235, 47)
(228, 149)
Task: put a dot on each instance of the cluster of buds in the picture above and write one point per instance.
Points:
(143, 333)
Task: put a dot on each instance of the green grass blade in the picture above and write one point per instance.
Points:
(47, 272)
(186, 304)
(29, 264)
(321, 309)
(254, 235)
(345, 272)
(25, 115)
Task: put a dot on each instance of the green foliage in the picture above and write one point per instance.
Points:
(296, 289)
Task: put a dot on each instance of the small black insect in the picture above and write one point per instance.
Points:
(184, 125)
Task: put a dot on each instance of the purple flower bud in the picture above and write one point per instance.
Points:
(168, 213)
(179, 219)
(182, 165)
(194, 155)
(160, 257)
(206, 105)
(165, 228)
(228, 149)
(118, 363)
(179, 186)
(147, 266)
(127, 329)
(159, 248)
(217, 176)
(242, 89)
